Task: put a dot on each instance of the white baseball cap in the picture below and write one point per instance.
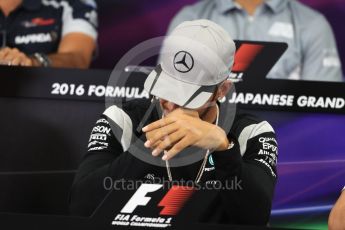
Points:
(195, 58)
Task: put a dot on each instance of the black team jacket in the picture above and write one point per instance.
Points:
(252, 161)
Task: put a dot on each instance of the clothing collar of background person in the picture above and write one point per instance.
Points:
(31, 4)
(276, 6)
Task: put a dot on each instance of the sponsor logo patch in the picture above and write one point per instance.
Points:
(33, 38)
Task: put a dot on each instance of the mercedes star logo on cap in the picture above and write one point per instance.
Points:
(183, 61)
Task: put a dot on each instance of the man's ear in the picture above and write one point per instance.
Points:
(224, 88)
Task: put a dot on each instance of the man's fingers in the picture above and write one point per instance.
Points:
(14, 56)
(189, 112)
(156, 144)
(17, 60)
(6, 55)
(183, 111)
(178, 147)
(158, 134)
(158, 124)
(15, 50)
(168, 141)
(4, 52)
(26, 62)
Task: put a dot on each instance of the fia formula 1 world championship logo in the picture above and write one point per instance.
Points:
(171, 204)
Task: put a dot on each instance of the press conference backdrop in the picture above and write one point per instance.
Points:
(47, 115)
(124, 24)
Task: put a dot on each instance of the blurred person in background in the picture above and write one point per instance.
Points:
(312, 53)
(336, 219)
(48, 32)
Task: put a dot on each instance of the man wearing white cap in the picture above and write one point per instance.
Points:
(196, 60)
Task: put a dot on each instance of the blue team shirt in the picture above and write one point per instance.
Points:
(39, 25)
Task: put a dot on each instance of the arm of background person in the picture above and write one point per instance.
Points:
(75, 50)
(336, 219)
(320, 56)
(79, 35)
(78, 39)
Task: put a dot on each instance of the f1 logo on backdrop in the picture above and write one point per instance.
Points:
(172, 202)
(244, 56)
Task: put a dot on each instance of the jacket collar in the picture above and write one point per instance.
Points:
(31, 4)
(228, 5)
